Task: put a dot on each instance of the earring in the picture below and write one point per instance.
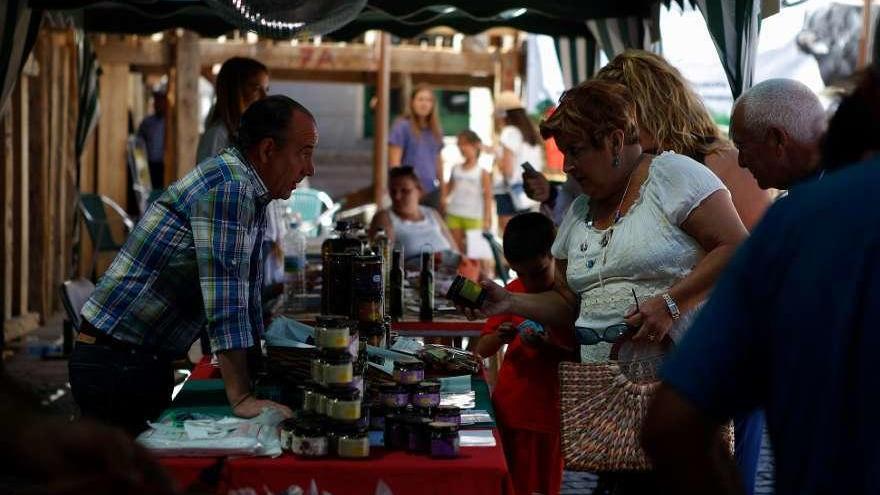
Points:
(616, 162)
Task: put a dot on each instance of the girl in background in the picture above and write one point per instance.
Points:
(469, 203)
(520, 142)
(415, 140)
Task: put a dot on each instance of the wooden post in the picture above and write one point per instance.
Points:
(38, 190)
(55, 117)
(7, 206)
(113, 133)
(22, 219)
(380, 145)
(185, 112)
(865, 38)
(63, 224)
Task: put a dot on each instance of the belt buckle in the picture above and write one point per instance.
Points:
(85, 339)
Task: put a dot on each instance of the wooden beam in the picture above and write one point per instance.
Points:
(186, 103)
(55, 117)
(22, 219)
(148, 55)
(38, 190)
(865, 38)
(131, 50)
(8, 198)
(380, 143)
(112, 133)
(62, 222)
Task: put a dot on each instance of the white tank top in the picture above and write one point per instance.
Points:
(425, 234)
(466, 199)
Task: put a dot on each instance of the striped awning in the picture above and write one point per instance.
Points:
(617, 35)
(734, 26)
(578, 57)
(18, 32)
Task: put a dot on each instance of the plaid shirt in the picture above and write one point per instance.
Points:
(194, 259)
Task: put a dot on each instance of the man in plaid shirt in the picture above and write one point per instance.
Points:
(193, 261)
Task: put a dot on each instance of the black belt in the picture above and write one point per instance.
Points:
(88, 334)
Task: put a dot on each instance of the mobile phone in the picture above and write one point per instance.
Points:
(528, 168)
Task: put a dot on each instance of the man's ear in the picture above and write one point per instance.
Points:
(777, 138)
(265, 149)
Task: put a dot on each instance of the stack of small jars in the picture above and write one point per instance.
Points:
(410, 414)
(331, 421)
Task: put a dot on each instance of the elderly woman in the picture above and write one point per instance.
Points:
(407, 223)
(662, 226)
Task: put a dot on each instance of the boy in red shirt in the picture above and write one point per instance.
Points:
(526, 396)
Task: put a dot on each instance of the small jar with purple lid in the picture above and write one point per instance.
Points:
(448, 414)
(393, 395)
(426, 394)
(409, 372)
(444, 440)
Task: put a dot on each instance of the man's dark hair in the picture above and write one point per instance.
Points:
(267, 118)
(528, 236)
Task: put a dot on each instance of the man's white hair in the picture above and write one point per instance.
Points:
(784, 103)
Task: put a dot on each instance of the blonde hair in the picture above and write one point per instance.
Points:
(433, 118)
(667, 107)
(591, 111)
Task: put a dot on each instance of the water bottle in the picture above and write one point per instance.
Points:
(295, 257)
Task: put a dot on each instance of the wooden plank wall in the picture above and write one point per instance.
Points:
(39, 184)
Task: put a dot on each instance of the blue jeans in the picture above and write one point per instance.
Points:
(120, 387)
(748, 430)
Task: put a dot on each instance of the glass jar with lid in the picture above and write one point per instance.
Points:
(336, 367)
(344, 403)
(426, 394)
(409, 372)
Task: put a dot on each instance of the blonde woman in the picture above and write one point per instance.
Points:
(673, 118)
(415, 140)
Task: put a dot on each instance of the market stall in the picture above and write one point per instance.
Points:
(477, 470)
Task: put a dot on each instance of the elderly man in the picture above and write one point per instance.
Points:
(777, 126)
(193, 260)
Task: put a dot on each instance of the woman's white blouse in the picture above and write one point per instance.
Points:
(648, 251)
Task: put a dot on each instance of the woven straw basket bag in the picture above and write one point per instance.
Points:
(602, 414)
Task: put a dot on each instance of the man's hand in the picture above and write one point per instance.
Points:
(536, 185)
(251, 407)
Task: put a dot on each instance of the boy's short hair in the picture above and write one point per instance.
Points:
(528, 236)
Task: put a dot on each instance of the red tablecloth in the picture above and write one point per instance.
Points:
(478, 471)
(204, 370)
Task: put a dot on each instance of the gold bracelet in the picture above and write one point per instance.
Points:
(241, 400)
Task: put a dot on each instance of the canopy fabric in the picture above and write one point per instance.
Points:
(19, 24)
(578, 57)
(616, 25)
(734, 27)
